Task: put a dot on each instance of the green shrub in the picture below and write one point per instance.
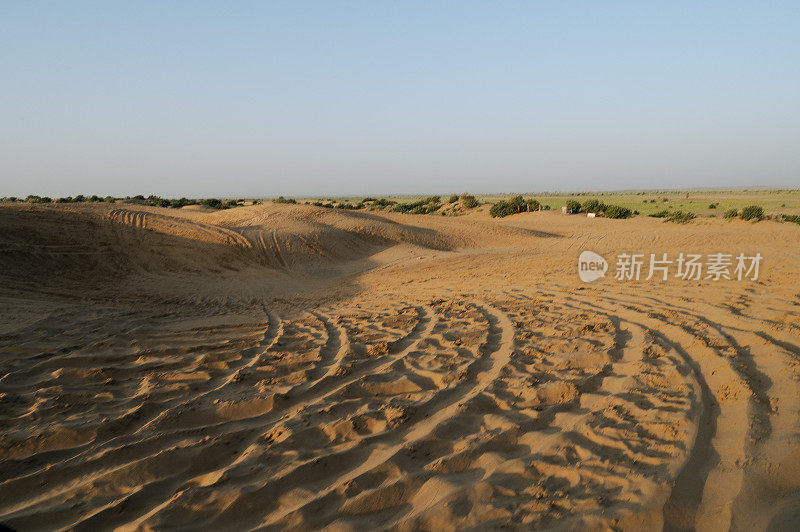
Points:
(38, 199)
(428, 205)
(592, 205)
(515, 205)
(616, 211)
(713, 205)
(469, 201)
(349, 206)
(383, 202)
(731, 213)
(791, 218)
(214, 203)
(752, 212)
(680, 217)
(453, 198)
(281, 199)
(573, 206)
(178, 203)
(501, 209)
(660, 214)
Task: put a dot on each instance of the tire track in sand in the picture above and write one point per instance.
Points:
(494, 354)
(248, 431)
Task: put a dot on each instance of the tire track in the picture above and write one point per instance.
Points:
(494, 354)
(703, 492)
(253, 430)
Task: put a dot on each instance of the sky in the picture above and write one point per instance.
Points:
(300, 98)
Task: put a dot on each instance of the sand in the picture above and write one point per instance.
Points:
(293, 367)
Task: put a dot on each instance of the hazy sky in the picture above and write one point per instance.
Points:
(322, 98)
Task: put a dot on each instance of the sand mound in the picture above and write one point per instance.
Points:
(185, 369)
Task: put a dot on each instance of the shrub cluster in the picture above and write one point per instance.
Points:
(598, 207)
(752, 212)
(573, 206)
(681, 217)
(593, 205)
(345, 205)
(515, 205)
(617, 211)
(468, 201)
(156, 201)
(38, 199)
(382, 202)
(791, 218)
(81, 198)
(424, 206)
(281, 199)
(153, 201)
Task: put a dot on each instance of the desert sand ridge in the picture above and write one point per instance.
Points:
(295, 367)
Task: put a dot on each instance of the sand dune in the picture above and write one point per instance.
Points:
(293, 367)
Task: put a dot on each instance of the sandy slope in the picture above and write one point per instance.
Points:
(294, 367)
